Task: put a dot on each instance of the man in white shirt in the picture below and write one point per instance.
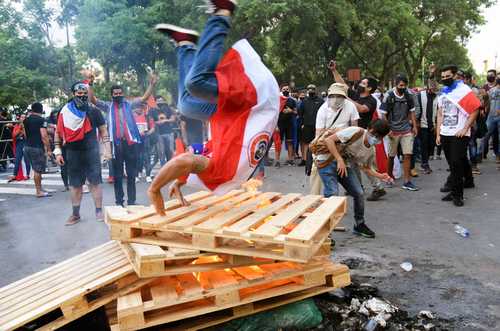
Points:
(454, 121)
(335, 102)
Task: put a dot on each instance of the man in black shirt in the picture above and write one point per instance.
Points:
(166, 119)
(285, 125)
(76, 131)
(37, 146)
(308, 110)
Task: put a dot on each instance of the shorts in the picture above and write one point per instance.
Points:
(36, 157)
(406, 141)
(307, 134)
(286, 131)
(83, 165)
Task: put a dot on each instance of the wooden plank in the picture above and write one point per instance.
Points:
(176, 214)
(129, 310)
(250, 273)
(136, 213)
(311, 225)
(266, 297)
(293, 212)
(246, 223)
(234, 214)
(209, 212)
(176, 252)
(188, 285)
(148, 252)
(164, 292)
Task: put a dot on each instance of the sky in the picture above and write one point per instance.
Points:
(485, 43)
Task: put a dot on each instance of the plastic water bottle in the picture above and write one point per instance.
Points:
(371, 325)
(462, 231)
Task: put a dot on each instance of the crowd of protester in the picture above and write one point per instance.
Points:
(406, 126)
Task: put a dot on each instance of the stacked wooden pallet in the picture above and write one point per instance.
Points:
(220, 258)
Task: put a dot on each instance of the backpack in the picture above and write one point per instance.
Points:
(391, 101)
(320, 148)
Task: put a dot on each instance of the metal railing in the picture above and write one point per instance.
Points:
(6, 143)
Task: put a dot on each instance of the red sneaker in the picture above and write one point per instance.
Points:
(111, 180)
(178, 34)
(214, 5)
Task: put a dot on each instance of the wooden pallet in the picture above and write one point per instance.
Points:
(237, 291)
(268, 225)
(156, 261)
(66, 291)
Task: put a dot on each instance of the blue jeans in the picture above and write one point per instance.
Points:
(492, 123)
(350, 183)
(19, 158)
(198, 88)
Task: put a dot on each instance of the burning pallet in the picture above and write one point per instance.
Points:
(220, 258)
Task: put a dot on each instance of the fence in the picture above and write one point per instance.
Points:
(6, 152)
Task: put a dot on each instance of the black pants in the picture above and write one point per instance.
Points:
(455, 151)
(426, 145)
(127, 155)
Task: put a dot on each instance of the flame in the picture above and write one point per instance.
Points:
(252, 185)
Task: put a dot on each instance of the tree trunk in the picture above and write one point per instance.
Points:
(106, 73)
(70, 57)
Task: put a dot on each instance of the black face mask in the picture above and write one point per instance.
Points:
(312, 94)
(361, 89)
(118, 99)
(286, 93)
(401, 90)
(81, 102)
(447, 81)
(490, 79)
(301, 98)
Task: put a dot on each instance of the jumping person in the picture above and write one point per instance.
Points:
(236, 93)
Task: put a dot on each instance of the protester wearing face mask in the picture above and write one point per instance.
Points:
(490, 78)
(76, 133)
(398, 108)
(345, 149)
(336, 113)
(285, 126)
(493, 119)
(125, 137)
(308, 110)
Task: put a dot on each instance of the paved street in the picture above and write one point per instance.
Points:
(454, 277)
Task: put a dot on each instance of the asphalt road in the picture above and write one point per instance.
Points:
(457, 278)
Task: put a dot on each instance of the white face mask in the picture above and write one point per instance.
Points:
(335, 102)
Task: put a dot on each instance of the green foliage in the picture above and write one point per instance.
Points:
(295, 38)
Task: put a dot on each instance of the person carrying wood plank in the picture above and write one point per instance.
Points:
(236, 93)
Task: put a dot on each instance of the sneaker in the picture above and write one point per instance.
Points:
(476, 171)
(137, 179)
(99, 216)
(85, 189)
(72, 220)
(409, 186)
(427, 170)
(290, 163)
(376, 194)
(389, 184)
(458, 202)
(214, 5)
(363, 230)
(111, 180)
(149, 179)
(447, 197)
(278, 164)
(302, 163)
(178, 34)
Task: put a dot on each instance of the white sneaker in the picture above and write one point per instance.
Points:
(148, 179)
(137, 179)
(85, 189)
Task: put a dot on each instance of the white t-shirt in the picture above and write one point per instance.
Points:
(454, 119)
(326, 116)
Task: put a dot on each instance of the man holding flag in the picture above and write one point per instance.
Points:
(77, 124)
(457, 110)
(235, 92)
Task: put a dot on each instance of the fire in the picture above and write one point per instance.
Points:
(252, 185)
